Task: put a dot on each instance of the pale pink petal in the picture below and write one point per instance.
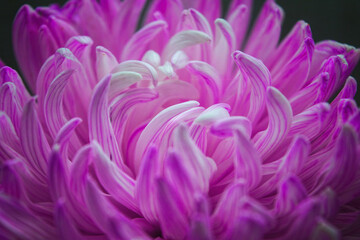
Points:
(105, 62)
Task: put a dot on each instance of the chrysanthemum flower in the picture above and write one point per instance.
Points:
(180, 130)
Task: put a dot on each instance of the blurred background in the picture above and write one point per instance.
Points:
(328, 19)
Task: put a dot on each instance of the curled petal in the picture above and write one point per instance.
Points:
(239, 20)
(114, 180)
(100, 128)
(147, 71)
(182, 40)
(255, 72)
(136, 46)
(105, 62)
(225, 127)
(53, 109)
(280, 119)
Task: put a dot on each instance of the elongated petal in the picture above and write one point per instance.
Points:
(121, 81)
(10, 104)
(147, 71)
(100, 128)
(226, 127)
(248, 161)
(8, 74)
(255, 72)
(182, 40)
(105, 62)
(266, 32)
(201, 166)
(53, 107)
(144, 189)
(239, 18)
(65, 226)
(33, 141)
(200, 221)
(114, 180)
(209, 75)
(173, 225)
(141, 38)
(291, 192)
(57, 175)
(280, 119)
(19, 223)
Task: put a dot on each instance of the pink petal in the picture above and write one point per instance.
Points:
(144, 189)
(147, 71)
(256, 73)
(53, 103)
(182, 40)
(291, 192)
(33, 141)
(174, 225)
(136, 46)
(265, 34)
(105, 62)
(65, 226)
(116, 182)
(280, 119)
(100, 128)
(238, 18)
(248, 161)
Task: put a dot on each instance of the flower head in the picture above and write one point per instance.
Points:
(185, 129)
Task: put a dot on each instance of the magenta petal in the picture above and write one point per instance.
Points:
(66, 229)
(141, 38)
(173, 225)
(248, 161)
(240, 14)
(200, 221)
(100, 128)
(144, 189)
(291, 192)
(114, 180)
(280, 118)
(265, 34)
(33, 141)
(256, 73)
(18, 223)
(57, 175)
(53, 107)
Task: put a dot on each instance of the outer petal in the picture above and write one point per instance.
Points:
(238, 18)
(174, 225)
(266, 31)
(18, 223)
(65, 226)
(33, 141)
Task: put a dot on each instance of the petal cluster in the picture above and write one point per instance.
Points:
(187, 128)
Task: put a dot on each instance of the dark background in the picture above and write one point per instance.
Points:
(328, 19)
